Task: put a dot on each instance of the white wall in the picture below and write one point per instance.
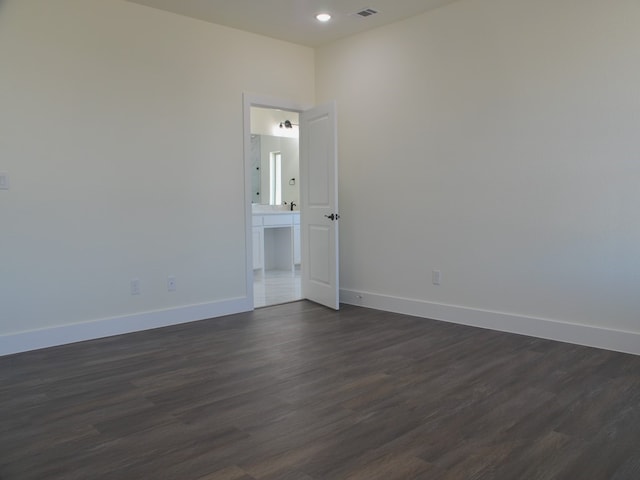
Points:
(492, 139)
(121, 130)
(497, 141)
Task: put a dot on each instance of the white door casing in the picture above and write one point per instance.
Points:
(319, 205)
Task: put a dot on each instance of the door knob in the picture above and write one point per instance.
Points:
(333, 216)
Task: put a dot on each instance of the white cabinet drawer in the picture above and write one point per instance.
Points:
(277, 220)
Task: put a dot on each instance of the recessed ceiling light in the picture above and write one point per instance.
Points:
(323, 17)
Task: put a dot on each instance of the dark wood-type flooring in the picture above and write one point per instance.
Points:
(301, 392)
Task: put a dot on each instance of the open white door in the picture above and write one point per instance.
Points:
(319, 205)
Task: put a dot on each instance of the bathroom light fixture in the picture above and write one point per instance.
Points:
(323, 17)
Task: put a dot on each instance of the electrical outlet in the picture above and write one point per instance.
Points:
(135, 286)
(436, 277)
(171, 283)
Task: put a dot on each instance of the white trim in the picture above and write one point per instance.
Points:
(107, 327)
(579, 334)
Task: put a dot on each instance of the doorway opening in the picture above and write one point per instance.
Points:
(275, 200)
(317, 221)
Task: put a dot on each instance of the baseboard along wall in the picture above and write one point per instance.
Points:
(65, 334)
(608, 339)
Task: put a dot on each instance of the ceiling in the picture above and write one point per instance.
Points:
(294, 20)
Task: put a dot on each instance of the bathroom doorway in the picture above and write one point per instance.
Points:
(275, 199)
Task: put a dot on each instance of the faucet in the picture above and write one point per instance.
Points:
(292, 205)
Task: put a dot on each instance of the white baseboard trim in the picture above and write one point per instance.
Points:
(107, 327)
(608, 339)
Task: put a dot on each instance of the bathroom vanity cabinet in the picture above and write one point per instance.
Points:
(276, 240)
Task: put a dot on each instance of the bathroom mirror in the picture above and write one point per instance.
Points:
(275, 170)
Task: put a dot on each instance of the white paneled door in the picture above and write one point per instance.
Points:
(319, 205)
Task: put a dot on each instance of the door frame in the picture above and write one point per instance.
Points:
(263, 101)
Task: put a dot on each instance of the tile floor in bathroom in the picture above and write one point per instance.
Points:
(276, 286)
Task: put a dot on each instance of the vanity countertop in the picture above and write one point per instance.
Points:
(288, 212)
(267, 210)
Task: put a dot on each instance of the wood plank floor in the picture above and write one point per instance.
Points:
(298, 392)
